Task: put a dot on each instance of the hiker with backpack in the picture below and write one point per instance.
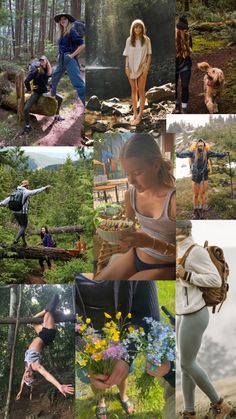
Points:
(200, 169)
(46, 334)
(197, 269)
(18, 202)
(36, 84)
(47, 241)
(71, 44)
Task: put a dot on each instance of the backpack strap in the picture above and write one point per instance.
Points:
(184, 257)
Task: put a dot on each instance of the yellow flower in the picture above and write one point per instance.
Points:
(83, 362)
(118, 315)
(88, 320)
(107, 324)
(107, 316)
(97, 357)
(82, 327)
(129, 315)
(79, 317)
(141, 329)
(131, 329)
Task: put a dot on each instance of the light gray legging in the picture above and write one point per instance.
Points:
(190, 328)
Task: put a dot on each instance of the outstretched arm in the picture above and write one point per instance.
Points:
(36, 191)
(184, 154)
(5, 202)
(21, 387)
(63, 388)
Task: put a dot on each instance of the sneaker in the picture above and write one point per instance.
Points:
(26, 130)
(220, 410)
(58, 118)
(48, 94)
(188, 415)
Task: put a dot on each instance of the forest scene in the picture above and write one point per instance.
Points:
(212, 26)
(66, 209)
(108, 25)
(220, 134)
(149, 406)
(28, 31)
(44, 400)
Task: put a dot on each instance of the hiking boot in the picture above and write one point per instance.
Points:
(188, 415)
(219, 410)
(51, 306)
(48, 94)
(196, 214)
(201, 213)
(26, 130)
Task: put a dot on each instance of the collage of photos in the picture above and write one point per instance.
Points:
(117, 209)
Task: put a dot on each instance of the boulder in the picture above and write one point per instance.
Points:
(94, 104)
(99, 126)
(161, 93)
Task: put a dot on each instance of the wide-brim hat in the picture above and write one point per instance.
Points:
(69, 17)
(182, 23)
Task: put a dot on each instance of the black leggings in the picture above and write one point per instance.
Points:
(185, 80)
(22, 220)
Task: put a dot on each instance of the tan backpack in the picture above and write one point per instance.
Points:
(213, 296)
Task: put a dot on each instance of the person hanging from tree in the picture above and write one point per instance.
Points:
(199, 166)
(138, 53)
(70, 44)
(46, 334)
(18, 202)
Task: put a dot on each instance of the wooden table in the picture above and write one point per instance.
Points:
(110, 184)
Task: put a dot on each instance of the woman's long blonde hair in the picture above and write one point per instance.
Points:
(137, 22)
(65, 31)
(143, 146)
(182, 43)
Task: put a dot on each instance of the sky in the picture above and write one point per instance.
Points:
(195, 119)
(219, 232)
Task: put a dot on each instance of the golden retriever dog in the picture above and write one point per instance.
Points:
(213, 85)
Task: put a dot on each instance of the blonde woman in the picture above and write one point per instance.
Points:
(183, 42)
(36, 84)
(151, 201)
(138, 52)
(70, 45)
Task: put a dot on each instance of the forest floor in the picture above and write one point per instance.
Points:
(45, 131)
(223, 58)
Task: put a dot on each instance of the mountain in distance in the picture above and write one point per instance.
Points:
(40, 161)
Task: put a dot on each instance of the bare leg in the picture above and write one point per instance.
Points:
(123, 387)
(48, 321)
(203, 190)
(121, 269)
(101, 401)
(134, 96)
(40, 314)
(196, 189)
(141, 88)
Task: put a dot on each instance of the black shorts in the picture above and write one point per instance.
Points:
(47, 335)
(198, 178)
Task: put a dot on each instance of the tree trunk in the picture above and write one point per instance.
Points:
(19, 25)
(12, 29)
(42, 27)
(12, 313)
(39, 252)
(26, 24)
(7, 408)
(32, 30)
(76, 8)
(20, 95)
(58, 317)
(51, 32)
(59, 230)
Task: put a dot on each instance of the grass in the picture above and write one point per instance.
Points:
(152, 406)
(206, 43)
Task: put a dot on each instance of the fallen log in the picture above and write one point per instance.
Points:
(59, 230)
(39, 252)
(59, 318)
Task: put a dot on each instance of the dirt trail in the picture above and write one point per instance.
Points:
(34, 277)
(218, 58)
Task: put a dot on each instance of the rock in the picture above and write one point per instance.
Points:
(117, 109)
(107, 108)
(121, 125)
(158, 94)
(114, 100)
(99, 126)
(94, 104)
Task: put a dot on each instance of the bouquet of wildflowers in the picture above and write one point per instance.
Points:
(158, 348)
(101, 349)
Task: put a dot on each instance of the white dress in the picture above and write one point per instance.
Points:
(137, 56)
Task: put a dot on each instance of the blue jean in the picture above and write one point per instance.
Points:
(71, 66)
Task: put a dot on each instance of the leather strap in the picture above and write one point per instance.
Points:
(184, 257)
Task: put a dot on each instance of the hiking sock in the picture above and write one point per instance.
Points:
(51, 306)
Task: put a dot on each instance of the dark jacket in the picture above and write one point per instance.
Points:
(199, 167)
(69, 43)
(40, 81)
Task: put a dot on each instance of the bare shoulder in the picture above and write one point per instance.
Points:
(172, 207)
(129, 212)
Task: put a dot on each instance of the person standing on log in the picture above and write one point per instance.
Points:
(47, 241)
(138, 53)
(36, 84)
(18, 202)
(70, 44)
(46, 334)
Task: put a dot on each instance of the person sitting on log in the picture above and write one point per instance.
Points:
(36, 84)
(46, 334)
(70, 44)
(18, 203)
(47, 241)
